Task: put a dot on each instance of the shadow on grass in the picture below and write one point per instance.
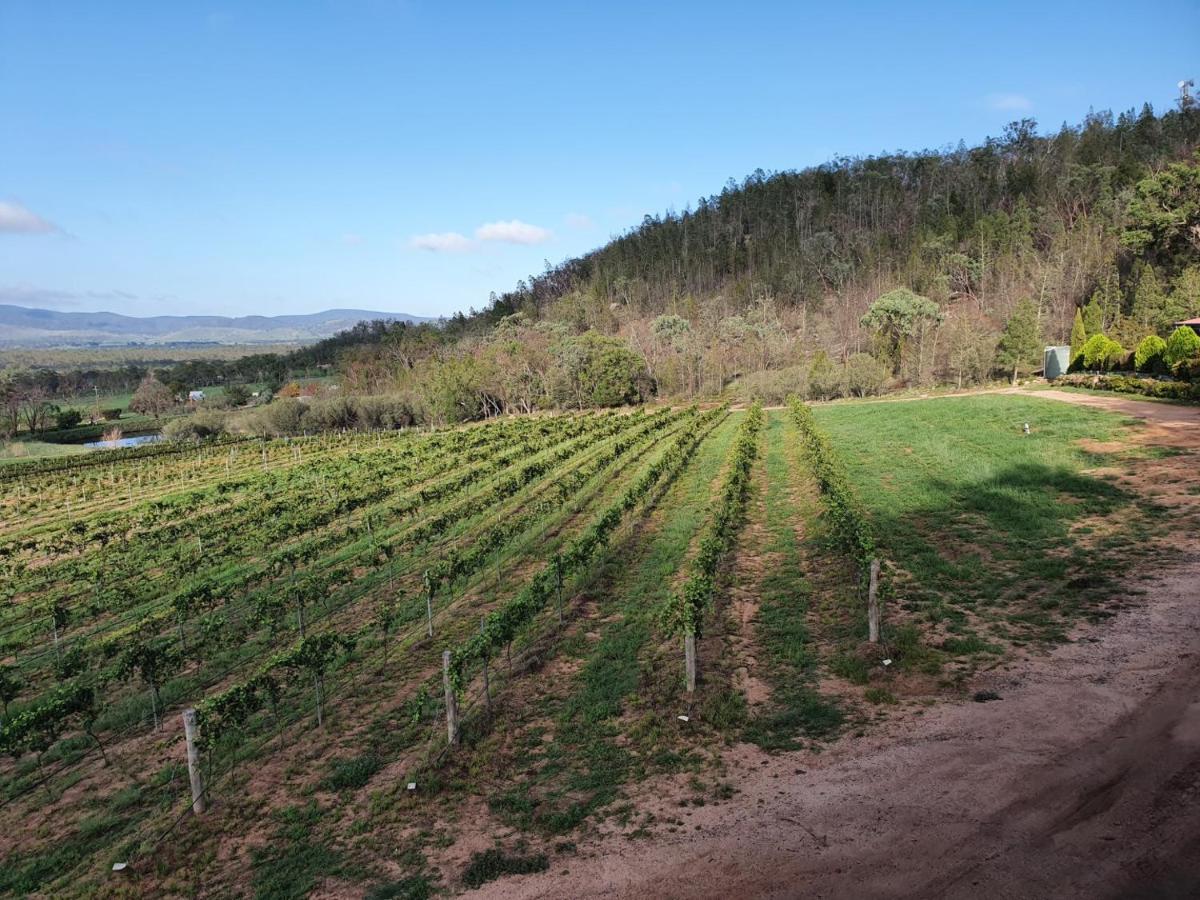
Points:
(1006, 542)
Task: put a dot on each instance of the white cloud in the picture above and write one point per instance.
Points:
(581, 221)
(1009, 102)
(351, 239)
(443, 242)
(513, 231)
(16, 219)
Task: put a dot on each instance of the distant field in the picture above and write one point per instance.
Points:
(267, 582)
(115, 357)
(23, 450)
(59, 442)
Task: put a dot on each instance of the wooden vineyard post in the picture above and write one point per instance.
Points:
(487, 686)
(689, 660)
(428, 601)
(558, 585)
(320, 701)
(451, 702)
(873, 604)
(193, 761)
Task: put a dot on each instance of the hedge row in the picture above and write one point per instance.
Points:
(851, 529)
(684, 611)
(1129, 384)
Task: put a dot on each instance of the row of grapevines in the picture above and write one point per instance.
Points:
(139, 654)
(35, 467)
(684, 610)
(851, 527)
(227, 711)
(175, 514)
(189, 599)
(500, 627)
(129, 570)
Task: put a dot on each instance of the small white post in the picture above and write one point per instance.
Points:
(873, 604)
(451, 702)
(429, 611)
(193, 761)
(689, 661)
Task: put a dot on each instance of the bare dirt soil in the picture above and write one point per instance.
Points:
(1083, 780)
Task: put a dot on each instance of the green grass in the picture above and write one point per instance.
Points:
(352, 774)
(788, 657)
(295, 861)
(581, 770)
(980, 516)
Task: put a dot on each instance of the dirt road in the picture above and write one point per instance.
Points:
(1083, 781)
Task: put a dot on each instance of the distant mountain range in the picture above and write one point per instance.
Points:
(25, 327)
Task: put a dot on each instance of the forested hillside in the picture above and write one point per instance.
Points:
(849, 278)
(771, 279)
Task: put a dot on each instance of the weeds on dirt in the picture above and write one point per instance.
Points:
(294, 862)
(415, 887)
(351, 774)
(495, 863)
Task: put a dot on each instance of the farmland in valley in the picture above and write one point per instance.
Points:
(301, 595)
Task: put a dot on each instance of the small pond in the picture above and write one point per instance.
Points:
(133, 441)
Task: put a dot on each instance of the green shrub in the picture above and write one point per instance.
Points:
(111, 415)
(376, 413)
(237, 394)
(331, 414)
(1189, 369)
(1182, 345)
(68, 418)
(772, 386)
(195, 428)
(865, 375)
(278, 418)
(1128, 384)
(415, 887)
(1101, 352)
(1148, 357)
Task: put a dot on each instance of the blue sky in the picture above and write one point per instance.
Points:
(280, 157)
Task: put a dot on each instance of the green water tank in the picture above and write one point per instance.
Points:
(1055, 361)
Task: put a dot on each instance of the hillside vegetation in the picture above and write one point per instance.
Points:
(776, 283)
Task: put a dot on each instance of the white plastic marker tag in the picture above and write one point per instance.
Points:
(119, 867)
(412, 785)
(887, 662)
(683, 718)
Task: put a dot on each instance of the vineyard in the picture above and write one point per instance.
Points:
(368, 632)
